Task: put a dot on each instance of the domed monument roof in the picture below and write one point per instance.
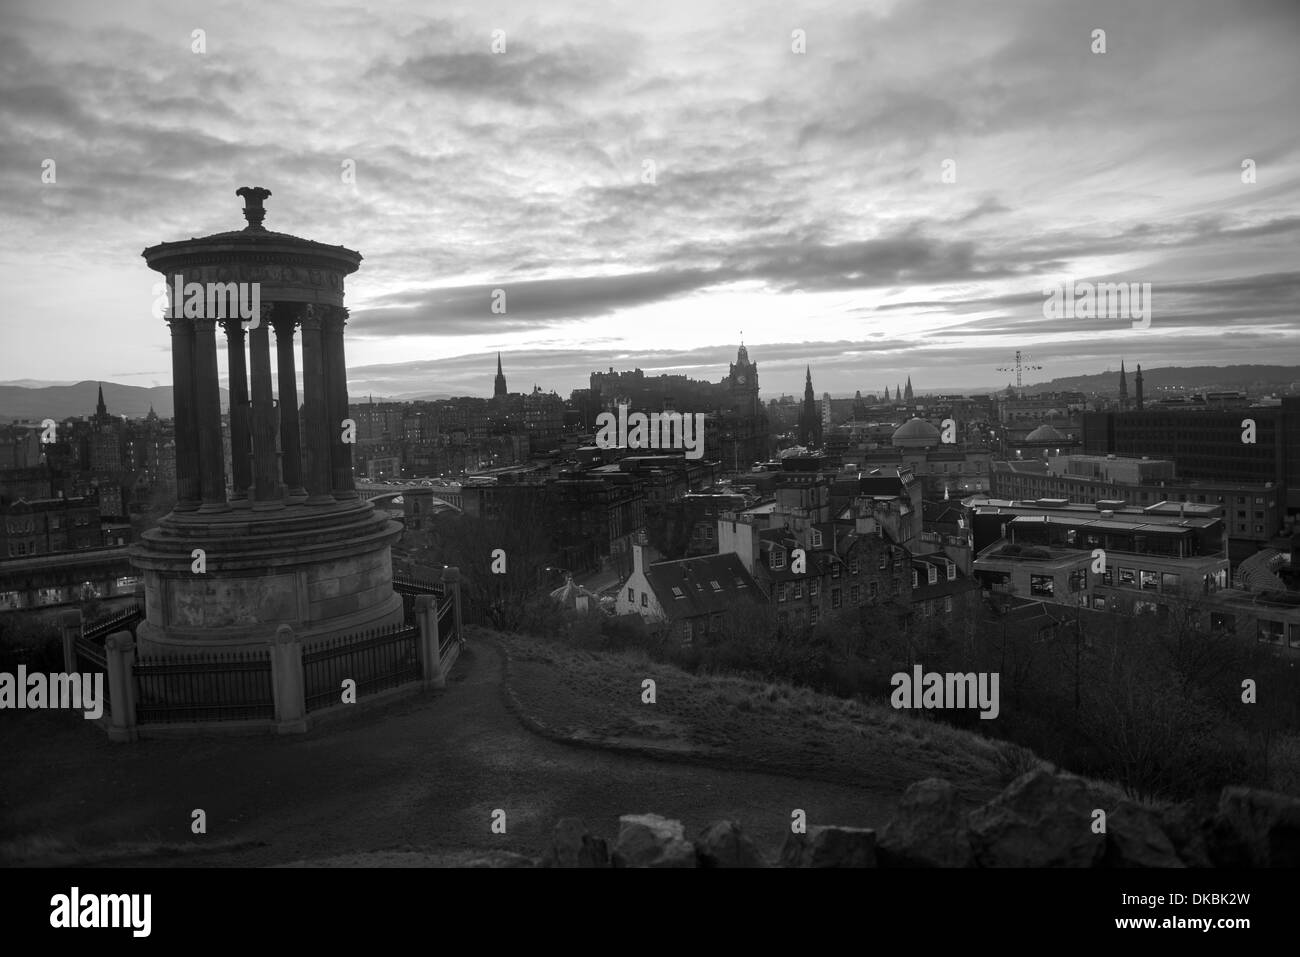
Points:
(1045, 434)
(916, 434)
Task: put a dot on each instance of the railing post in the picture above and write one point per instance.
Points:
(426, 615)
(451, 576)
(70, 626)
(287, 682)
(119, 654)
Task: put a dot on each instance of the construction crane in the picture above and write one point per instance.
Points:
(1022, 365)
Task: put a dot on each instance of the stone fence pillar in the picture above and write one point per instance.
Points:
(451, 576)
(426, 615)
(119, 651)
(287, 682)
(70, 627)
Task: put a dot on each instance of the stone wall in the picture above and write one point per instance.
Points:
(1042, 819)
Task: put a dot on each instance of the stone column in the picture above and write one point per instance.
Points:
(70, 629)
(265, 468)
(287, 682)
(317, 442)
(241, 466)
(426, 616)
(187, 457)
(207, 405)
(119, 654)
(336, 375)
(285, 318)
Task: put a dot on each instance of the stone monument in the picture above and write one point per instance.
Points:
(282, 538)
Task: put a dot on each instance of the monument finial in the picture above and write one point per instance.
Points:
(254, 212)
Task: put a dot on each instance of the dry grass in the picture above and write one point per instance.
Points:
(772, 725)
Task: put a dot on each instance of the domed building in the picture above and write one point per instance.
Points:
(915, 434)
(1042, 442)
(945, 468)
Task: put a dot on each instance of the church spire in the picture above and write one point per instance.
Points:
(101, 410)
(499, 386)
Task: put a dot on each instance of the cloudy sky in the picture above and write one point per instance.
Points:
(799, 197)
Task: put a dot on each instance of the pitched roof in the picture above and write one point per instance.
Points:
(699, 586)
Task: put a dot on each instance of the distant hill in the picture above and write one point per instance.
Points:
(61, 401)
(1177, 377)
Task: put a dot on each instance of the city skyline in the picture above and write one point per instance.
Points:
(799, 197)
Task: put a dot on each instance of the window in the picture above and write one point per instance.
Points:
(1127, 576)
(952, 571)
(853, 567)
(631, 594)
(835, 570)
(816, 538)
(855, 594)
(1144, 608)
(1293, 635)
(780, 591)
(1079, 579)
(716, 586)
(947, 605)
(1042, 585)
(1099, 602)
(1150, 580)
(1170, 581)
(873, 591)
(915, 579)
(678, 593)
(1108, 577)
(813, 615)
(884, 560)
(645, 600)
(813, 587)
(932, 575)
(777, 558)
(798, 590)
(1270, 631)
(835, 598)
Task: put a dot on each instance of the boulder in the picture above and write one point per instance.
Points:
(724, 844)
(572, 846)
(1256, 828)
(1041, 820)
(1185, 825)
(648, 840)
(1134, 838)
(830, 847)
(928, 830)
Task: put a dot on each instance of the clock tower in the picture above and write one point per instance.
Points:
(742, 383)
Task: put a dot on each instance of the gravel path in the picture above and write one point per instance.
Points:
(423, 772)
